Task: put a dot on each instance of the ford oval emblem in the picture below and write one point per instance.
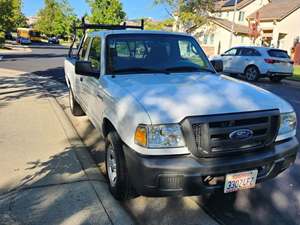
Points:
(241, 134)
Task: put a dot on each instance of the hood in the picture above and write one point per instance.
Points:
(171, 98)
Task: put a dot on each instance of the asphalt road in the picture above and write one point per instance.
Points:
(274, 202)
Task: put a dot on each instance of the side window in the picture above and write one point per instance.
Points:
(231, 52)
(249, 52)
(95, 53)
(84, 48)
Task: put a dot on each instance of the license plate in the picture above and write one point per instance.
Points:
(240, 181)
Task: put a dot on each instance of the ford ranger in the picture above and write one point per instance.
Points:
(172, 124)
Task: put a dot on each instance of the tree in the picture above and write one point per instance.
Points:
(106, 11)
(69, 15)
(56, 18)
(11, 15)
(188, 12)
(160, 25)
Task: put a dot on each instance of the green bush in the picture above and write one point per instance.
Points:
(2, 39)
(297, 70)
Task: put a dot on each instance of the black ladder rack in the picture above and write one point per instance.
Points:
(86, 26)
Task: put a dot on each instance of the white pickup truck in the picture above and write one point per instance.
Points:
(172, 124)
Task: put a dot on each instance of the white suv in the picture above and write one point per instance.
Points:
(256, 62)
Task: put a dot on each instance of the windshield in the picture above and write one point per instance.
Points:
(154, 53)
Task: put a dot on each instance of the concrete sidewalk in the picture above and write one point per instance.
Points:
(46, 174)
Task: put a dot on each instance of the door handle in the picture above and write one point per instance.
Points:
(81, 79)
(100, 97)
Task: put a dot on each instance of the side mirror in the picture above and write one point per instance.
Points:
(218, 65)
(85, 68)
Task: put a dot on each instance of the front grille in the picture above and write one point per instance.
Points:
(211, 134)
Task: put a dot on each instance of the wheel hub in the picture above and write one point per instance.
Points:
(111, 165)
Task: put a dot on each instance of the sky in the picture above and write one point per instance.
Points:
(133, 8)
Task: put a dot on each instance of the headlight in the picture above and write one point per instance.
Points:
(159, 136)
(288, 125)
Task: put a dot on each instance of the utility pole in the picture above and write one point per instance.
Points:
(232, 25)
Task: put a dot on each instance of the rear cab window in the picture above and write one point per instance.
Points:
(278, 54)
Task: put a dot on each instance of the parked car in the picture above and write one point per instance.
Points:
(8, 36)
(256, 62)
(23, 41)
(53, 40)
(172, 125)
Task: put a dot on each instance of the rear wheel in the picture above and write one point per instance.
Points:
(75, 108)
(251, 73)
(276, 79)
(116, 169)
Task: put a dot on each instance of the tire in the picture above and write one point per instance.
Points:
(251, 73)
(276, 79)
(75, 108)
(116, 170)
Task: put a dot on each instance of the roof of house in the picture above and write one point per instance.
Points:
(277, 10)
(228, 5)
(226, 24)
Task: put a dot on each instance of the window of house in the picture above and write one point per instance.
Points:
(242, 39)
(212, 39)
(94, 54)
(205, 39)
(241, 16)
(227, 15)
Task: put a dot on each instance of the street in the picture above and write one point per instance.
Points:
(274, 202)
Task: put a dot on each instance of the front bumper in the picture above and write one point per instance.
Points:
(186, 175)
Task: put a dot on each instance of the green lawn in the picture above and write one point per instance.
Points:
(296, 73)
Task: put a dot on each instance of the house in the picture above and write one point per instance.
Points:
(278, 24)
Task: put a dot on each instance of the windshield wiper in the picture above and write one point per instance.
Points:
(188, 69)
(140, 69)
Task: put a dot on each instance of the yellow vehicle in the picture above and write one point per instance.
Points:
(30, 34)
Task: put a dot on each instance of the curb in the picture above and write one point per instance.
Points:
(293, 79)
(38, 46)
(112, 207)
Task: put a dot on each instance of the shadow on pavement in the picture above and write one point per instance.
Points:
(28, 55)
(13, 88)
(47, 186)
(54, 192)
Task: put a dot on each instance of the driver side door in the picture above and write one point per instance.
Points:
(94, 90)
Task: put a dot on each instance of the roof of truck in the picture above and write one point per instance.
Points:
(133, 31)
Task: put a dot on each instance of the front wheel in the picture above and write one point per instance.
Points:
(251, 73)
(116, 169)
